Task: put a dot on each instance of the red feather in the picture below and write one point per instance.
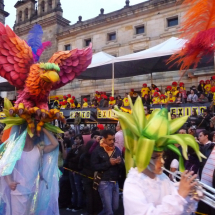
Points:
(199, 28)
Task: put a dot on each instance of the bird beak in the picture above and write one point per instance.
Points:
(50, 76)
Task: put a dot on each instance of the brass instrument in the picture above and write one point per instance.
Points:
(202, 191)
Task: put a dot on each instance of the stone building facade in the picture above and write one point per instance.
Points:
(125, 31)
(3, 13)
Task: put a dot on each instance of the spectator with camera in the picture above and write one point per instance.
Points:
(107, 161)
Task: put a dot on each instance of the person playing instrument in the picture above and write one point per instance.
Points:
(147, 190)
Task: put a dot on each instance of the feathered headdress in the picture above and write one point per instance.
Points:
(143, 136)
(199, 28)
(35, 42)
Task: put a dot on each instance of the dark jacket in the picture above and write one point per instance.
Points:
(206, 151)
(72, 159)
(100, 162)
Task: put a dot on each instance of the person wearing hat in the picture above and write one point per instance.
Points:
(171, 99)
(201, 86)
(153, 86)
(174, 85)
(207, 87)
(174, 92)
(131, 93)
(157, 90)
(213, 81)
(64, 98)
(85, 104)
(163, 99)
(156, 98)
(56, 103)
(213, 92)
(145, 90)
(125, 101)
(147, 190)
(57, 100)
(181, 85)
(69, 98)
(63, 104)
(97, 94)
(112, 101)
(72, 102)
(168, 91)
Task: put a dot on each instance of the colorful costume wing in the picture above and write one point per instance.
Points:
(199, 28)
(71, 64)
(15, 57)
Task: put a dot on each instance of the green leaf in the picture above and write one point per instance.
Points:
(177, 123)
(144, 152)
(30, 132)
(52, 128)
(181, 160)
(138, 113)
(170, 139)
(158, 126)
(7, 104)
(13, 120)
(129, 161)
(128, 120)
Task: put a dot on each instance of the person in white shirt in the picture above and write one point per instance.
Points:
(119, 139)
(147, 190)
(152, 193)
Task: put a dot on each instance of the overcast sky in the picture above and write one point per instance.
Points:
(74, 8)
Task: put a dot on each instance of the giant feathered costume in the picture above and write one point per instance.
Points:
(198, 28)
(18, 64)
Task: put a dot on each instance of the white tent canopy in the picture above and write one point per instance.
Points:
(101, 58)
(168, 47)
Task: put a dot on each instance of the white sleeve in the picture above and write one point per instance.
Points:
(174, 164)
(135, 203)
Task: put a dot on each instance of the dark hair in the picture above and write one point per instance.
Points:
(71, 132)
(94, 129)
(80, 137)
(95, 133)
(147, 107)
(195, 113)
(205, 132)
(119, 96)
(86, 130)
(105, 133)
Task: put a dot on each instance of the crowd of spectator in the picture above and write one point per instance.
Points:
(82, 156)
(174, 94)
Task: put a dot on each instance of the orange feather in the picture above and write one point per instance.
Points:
(199, 28)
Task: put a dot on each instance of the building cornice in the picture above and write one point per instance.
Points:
(116, 16)
(56, 19)
(20, 3)
(6, 14)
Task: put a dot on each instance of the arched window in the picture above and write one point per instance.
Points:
(26, 13)
(43, 6)
(20, 16)
(50, 4)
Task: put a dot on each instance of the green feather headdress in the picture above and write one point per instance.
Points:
(50, 66)
(143, 136)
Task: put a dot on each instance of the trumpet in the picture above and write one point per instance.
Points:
(201, 192)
